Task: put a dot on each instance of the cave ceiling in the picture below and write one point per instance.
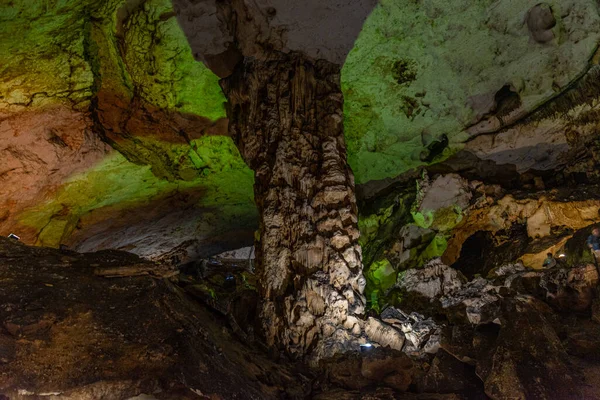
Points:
(114, 135)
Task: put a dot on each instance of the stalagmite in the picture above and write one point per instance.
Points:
(286, 117)
(282, 83)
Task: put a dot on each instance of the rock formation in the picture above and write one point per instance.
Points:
(285, 115)
(110, 134)
(177, 130)
(285, 111)
(70, 334)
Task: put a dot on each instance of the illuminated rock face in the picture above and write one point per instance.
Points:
(421, 70)
(548, 142)
(113, 135)
(87, 79)
(285, 116)
(285, 110)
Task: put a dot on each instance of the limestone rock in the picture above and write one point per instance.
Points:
(542, 216)
(373, 366)
(392, 368)
(448, 375)
(582, 340)
(423, 335)
(124, 337)
(596, 310)
(307, 256)
(449, 190)
(540, 22)
(477, 302)
(112, 137)
(508, 269)
(319, 30)
(573, 289)
(487, 98)
(384, 334)
(433, 280)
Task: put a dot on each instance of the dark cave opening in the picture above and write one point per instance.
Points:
(484, 251)
(507, 100)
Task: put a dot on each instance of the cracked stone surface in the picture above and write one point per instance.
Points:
(308, 258)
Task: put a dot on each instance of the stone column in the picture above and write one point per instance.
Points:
(286, 118)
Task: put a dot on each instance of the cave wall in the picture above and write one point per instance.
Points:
(508, 112)
(112, 135)
(422, 70)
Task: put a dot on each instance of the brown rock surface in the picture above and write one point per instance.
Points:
(528, 359)
(370, 368)
(69, 332)
(40, 150)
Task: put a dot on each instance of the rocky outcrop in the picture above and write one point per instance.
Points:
(510, 336)
(471, 225)
(543, 216)
(370, 368)
(285, 111)
(423, 335)
(527, 359)
(433, 280)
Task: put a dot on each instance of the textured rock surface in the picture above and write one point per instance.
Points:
(285, 116)
(121, 72)
(124, 69)
(69, 332)
(528, 360)
(515, 340)
(114, 136)
(319, 29)
(430, 83)
(543, 217)
(471, 225)
(374, 367)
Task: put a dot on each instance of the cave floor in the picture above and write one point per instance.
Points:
(70, 334)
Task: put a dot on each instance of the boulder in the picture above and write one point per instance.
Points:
(423, 335)
(571, 289)
(448, 375)
(527, 360)
(583, 340)
(476, 303)
(433, 280)
(393, 368)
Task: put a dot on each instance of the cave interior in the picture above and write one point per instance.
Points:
(274, 199)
